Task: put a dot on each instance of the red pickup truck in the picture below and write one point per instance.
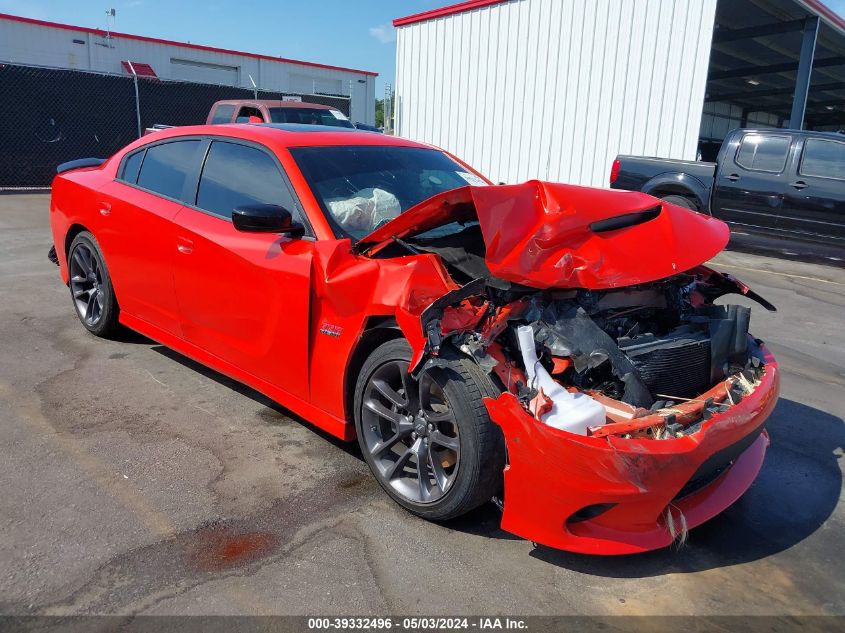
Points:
(273, 111)
(269, 111)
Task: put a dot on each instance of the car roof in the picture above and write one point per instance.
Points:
(309, 128)
(834, 136)
(282, 135)
(276, 103)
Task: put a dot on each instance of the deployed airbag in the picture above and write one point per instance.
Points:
(366, 210)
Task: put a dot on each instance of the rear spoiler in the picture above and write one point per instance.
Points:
(79, 163)
(157, 127)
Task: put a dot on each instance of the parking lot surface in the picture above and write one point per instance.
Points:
(136, 481)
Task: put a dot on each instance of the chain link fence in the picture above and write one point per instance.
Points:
(50, 116)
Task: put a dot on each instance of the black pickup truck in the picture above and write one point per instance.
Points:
(785, 183)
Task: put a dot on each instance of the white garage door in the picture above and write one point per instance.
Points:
(308, 84)
(203, 72)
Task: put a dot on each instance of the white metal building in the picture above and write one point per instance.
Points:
(555, 89)
(41, 43)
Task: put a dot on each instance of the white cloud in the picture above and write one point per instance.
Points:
(384, 33)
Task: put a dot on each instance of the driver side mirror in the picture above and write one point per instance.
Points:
(266, 218)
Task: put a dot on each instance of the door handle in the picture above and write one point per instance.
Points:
(733, 177)
(184, 246)
(799, 184)
(105, 208)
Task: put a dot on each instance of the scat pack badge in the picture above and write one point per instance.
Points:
(330, 330)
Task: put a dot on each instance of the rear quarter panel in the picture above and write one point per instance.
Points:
(72, 204)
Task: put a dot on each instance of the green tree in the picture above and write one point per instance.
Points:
(379, 112)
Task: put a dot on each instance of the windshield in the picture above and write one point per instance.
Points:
(310, 116)
(363, 187)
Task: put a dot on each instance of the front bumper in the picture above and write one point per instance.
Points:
(559, 486)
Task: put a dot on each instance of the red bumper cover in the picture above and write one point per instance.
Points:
(556, 481)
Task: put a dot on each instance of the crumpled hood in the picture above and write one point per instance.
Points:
(550, 235)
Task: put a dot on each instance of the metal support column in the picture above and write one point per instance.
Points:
(137, 97)
(137, 105)
(805, 69)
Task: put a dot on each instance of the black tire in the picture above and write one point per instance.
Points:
(478, 473)
(96, 290)
(681, 201)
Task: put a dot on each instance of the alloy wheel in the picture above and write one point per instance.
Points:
(86, 284)
(411, 433)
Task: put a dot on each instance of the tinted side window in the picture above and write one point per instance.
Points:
(246, 112)
(763, 153)
(131, 167)
(223, 114)
(166, 166)
(310, 116)
(236, 175)
(823, 158)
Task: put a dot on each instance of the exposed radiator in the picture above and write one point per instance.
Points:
(677, 364)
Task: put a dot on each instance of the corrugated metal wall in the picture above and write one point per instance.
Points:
(554, 89)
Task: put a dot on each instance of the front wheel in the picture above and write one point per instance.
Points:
(429, 442)
(91, 287)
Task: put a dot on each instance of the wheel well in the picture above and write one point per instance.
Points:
(675, 190)
(377, 330)
(72, 232)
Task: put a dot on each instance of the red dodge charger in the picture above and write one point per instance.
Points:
(556, 350)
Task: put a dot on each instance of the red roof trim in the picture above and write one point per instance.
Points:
(828, 14)
(816, 6)
(460, 7)
(199, 47)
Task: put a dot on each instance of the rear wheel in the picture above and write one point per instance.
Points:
(681, 201)
(429, 442)
(91, 288)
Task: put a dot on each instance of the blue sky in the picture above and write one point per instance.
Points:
(355, 33)
(837, 5)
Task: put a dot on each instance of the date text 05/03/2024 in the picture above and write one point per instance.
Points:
(416, 623)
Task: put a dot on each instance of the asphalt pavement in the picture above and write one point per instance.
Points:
(136, 481)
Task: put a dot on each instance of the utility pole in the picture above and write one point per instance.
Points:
(254, 87)
(388, 108)
(137, 98)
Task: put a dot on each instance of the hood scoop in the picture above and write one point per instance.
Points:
(624, 221)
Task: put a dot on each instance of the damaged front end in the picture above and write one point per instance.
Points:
(632, 405)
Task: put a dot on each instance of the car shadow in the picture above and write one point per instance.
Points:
(278, 411)
(125, 335)
(791, 249)
(484, 521)
(796, 491)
